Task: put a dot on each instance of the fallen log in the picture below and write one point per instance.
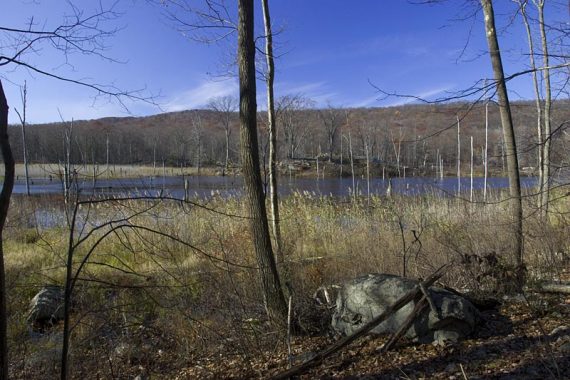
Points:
(341, 343)
(555, 287)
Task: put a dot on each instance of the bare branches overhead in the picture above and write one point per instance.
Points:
(79, 33)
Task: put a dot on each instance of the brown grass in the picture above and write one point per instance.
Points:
(149, 301)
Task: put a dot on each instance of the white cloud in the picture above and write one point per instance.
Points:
(200, 95)
(300, 88)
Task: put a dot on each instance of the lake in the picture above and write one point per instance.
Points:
(206, 186)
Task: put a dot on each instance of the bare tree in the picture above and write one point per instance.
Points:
(458, 156)
(272, 121)
(225, 106)
(274, 299)
(397, 146)
(22, 117)
(5, 195)
(197, 136)
(509, 139)
(78, 33)
(522, 6)
(331, 118)
(366, 132)
(289, 109)
(546, 151)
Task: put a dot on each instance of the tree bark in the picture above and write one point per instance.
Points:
(273, 196)
(509, 140)
(274, 300)
(5, 195)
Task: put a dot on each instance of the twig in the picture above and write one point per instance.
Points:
(463, 372)
(429, 299)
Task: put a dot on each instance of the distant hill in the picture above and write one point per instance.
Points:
(416, 133)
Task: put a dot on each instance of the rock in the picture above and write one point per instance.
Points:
(366, 297)
(565, 347)
(47, 306)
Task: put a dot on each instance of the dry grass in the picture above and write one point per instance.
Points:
(147, 300)
(113, 171)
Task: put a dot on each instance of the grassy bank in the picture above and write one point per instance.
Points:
(55, 171)
(176, 287)
(326, 169)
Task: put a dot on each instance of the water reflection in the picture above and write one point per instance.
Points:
(206, 186)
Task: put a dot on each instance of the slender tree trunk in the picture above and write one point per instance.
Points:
(352, 165)
(458, 157)
(485, 159)
(67, 298)
(107, 156)
(545, 185)
(24, 93)
(273, 196)
(437, 164)
(274, 299)
(540, 142)
(471, 173)
(226, 163)
(331, 144)
(341, 148)
(367, 174)
(153, 157)
(509, 140)
(5, 195)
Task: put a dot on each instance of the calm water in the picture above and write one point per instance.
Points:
(205, 186)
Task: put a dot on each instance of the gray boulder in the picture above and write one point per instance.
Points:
(366, 297)
(47, 306)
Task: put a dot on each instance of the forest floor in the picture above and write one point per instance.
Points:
(524, 339)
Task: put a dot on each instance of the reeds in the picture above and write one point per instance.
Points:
(185, 282)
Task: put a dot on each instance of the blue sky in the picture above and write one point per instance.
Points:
(329, 50)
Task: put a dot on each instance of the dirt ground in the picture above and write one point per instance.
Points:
(526, 338)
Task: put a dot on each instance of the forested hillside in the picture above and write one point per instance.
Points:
(415, 133)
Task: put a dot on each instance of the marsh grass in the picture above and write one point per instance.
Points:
(85, 171)
(147, 300)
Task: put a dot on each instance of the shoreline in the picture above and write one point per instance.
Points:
(55, 171)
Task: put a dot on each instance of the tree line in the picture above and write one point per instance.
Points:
(411, 136)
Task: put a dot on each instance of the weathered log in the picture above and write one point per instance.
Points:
(555, 287)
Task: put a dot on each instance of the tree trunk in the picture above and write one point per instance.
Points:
(545, 185)
(24, 93)
(273, 196)
(509, 140)
(458, 157)
(275, 304)
(226, 163)
(5, 195)
(485, 156)
(540, 142)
